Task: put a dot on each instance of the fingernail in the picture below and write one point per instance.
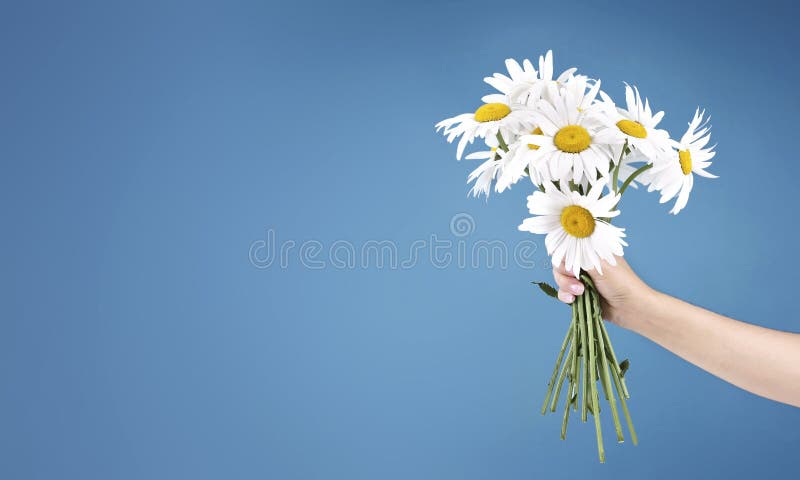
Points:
(569, 298)
(577, 288)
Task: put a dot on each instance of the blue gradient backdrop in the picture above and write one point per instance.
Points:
(146, 146)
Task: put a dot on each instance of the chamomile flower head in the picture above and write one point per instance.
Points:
(574, 143)
(636, 124)
(691, 156)
(575, 225)
(523, 83)
(497, 115)
(524, 157)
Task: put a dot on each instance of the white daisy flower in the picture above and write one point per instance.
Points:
(523, 83)
(575, 225)
(519, 78)
(637, 124)
(676, 176)
(584, 89)
(484, 175)
(575, 141)
(523, 158)
(497, 115)
(520, 159)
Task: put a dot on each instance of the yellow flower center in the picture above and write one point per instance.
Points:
(632, 128)
(491, 112)
(577, 221)
(686, 161)
(536, 131)
(572, 139)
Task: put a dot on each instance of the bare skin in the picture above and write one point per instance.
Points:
(760, 360)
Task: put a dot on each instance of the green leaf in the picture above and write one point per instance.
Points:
(623, 367)
(547, 288)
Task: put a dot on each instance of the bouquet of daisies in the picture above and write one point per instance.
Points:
(580, 151)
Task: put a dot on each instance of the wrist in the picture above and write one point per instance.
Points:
(638, 313)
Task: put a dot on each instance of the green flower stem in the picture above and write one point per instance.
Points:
(615, 180)
(600, 369)
(552, 382)
(576, 367)
(586, 385)
(585, 278)
(616, 374)
(589, 318)
(572, 361)
(569, 400)
(609, 347)
(587, 348)
(624, 405)
(610, 351)
(585, 352)
(635, 174)
(574, 377)
(560, 385)
(502, 142)
(606, 381)
(602, 382)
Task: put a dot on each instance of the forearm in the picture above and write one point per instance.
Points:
(762, 361)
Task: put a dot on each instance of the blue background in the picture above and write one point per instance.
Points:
(145, 147)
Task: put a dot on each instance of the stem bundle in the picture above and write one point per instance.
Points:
(587, 348)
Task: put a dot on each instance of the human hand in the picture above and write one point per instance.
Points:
(622, 291)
